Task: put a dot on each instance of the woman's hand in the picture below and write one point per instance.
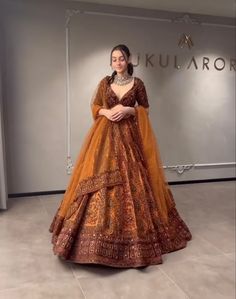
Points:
(119, 112)
(109, 114)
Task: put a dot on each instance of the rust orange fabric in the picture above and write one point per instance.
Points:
(96, 158)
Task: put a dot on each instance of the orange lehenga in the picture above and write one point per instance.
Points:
(118, 209)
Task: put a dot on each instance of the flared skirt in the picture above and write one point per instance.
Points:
(120, 225)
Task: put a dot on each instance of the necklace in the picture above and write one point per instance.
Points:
(123, 80)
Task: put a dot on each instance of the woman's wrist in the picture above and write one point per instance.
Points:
(101, 111)
(131, 110)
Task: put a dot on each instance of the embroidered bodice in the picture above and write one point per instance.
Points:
(105, 97)
(137, 93)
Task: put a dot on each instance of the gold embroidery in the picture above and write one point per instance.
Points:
(114, 218)
(108, 178)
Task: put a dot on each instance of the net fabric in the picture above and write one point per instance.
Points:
(96, 157)
(148, 140)
(158, 181)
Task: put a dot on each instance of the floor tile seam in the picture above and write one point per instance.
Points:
(175, 283)
(220, 251)
(227, 253)
(195, 258)
(78, 281)
(31, 283)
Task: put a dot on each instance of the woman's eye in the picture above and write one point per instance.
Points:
(121, 59)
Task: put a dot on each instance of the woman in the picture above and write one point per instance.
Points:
(118, 209)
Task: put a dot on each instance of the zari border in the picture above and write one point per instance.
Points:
(111, 251)
(96, 182)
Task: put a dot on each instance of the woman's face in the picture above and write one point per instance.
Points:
(118, 62)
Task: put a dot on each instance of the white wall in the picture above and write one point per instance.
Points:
(192, 111)
(3, 175)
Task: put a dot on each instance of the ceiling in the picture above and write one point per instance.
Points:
(224, 8)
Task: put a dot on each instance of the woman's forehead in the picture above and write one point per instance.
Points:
(117, 54)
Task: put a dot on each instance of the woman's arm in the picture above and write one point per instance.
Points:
(102, 111)
(131, 110)
(96, 102)
(142, 97)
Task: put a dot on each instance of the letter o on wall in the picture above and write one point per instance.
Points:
(217, 67)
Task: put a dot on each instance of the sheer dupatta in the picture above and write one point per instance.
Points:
(159, 184)
(96, 165)
(98, 99)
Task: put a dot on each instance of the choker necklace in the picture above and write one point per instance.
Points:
(123, 80)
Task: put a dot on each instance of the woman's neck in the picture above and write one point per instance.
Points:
(124, 74)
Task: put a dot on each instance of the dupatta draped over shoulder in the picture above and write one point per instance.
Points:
(97, 165)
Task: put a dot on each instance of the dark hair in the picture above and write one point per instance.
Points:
(125, 50)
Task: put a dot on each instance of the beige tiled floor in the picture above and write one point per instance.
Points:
(205, 269)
